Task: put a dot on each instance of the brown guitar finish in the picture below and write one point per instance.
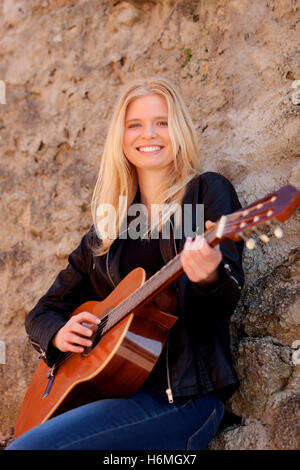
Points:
(116, 367)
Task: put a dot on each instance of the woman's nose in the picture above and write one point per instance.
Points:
(148, 130)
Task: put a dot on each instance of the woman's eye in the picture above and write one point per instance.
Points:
(133, 125)
(163, 123)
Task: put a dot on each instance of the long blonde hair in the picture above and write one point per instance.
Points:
(118, 177)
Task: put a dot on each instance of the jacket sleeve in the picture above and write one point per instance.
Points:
(219, 198)
(70, 289)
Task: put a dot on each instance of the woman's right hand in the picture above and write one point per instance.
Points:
(73, 336)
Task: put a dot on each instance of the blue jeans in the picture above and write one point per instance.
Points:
(144, 421)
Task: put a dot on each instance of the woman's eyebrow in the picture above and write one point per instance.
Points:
(138, 119)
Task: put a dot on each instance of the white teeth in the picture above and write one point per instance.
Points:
(149, 149)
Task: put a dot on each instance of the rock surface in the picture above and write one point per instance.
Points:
(236, 62)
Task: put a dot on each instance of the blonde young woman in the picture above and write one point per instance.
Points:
(150, 157)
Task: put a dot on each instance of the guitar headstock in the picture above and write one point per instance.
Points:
(271, 210)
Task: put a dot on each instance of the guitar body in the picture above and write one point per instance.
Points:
(115, 367)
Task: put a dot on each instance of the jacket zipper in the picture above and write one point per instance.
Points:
(169, 389)
(42, 352)
(229, 272)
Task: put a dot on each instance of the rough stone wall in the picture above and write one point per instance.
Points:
(236, 62)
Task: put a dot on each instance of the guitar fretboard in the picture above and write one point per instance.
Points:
(156, 283)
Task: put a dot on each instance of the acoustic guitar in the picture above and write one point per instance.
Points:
(133, 329)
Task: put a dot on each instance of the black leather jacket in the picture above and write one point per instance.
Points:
(197, 355)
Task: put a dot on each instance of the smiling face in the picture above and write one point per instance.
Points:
(146, 140)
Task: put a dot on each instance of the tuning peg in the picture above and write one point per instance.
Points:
(264, 238)
(278, 232)
(250, 243)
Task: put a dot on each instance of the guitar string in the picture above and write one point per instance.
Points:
(70, 353)
(172, 266)
(118, 316)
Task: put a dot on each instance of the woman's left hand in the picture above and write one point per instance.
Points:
(199, 260)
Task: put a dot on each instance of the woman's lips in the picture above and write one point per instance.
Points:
(150, 149)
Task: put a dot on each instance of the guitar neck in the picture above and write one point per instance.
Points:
(166, 275)
(153, 286)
